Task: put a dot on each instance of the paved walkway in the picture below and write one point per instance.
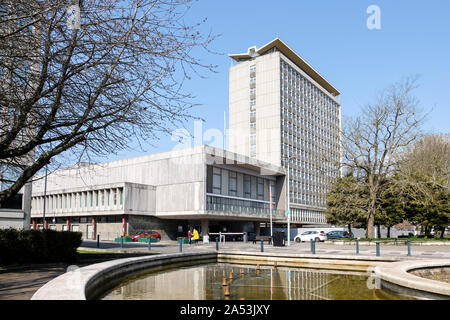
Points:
(399, 251)
(22, 282)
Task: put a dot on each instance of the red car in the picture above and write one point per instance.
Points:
(144, 234)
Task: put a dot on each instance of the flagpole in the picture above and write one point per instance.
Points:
(270, 189)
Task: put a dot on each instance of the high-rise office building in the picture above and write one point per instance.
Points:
(284, 112)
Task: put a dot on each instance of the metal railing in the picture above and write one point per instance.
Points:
(242, 209)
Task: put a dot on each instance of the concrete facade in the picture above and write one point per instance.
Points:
(18, 217)
(203, 187)
(284, 112)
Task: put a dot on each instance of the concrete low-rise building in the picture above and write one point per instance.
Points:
(15, 213)
(202, 186)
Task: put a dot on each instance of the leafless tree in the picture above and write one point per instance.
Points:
(372, 141)
(429, 160)
(93, 88)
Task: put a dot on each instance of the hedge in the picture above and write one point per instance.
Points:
(38, 246)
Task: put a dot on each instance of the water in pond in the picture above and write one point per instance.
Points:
(205, 282)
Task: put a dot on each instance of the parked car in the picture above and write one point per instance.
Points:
(308, 235)
(144, 234)
(337, 234)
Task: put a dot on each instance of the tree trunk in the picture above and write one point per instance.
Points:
(378, 231)
(388, 232)
(370, 225)
(442, 232)
(350, 230)
(371, 215)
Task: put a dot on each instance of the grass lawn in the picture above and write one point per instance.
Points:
(393, 239)
(87, 251)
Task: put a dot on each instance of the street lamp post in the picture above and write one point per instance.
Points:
(288, 211)
(45, 197)
(288, 203)
(270, 210)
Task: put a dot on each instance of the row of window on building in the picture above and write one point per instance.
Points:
(252, 141)
(75, 220)
(78, 200)
(306, 215)
(299, 83)
(228, 202)
(310, 134)
(253, 188)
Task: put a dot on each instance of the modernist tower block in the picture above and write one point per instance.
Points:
(284, 112)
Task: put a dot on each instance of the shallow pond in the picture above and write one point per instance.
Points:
(205, 282)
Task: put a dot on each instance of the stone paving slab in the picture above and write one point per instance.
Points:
(22, 283)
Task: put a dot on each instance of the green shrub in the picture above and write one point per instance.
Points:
(34, 246)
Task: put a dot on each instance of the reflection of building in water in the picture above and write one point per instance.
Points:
(205, 283)
(186, 283)
(307, 285)
(280, 284)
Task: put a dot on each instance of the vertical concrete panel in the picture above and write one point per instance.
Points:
(197, 195)
(266, 190)
(26, 205)
(240, 185)
(205, 227)
(281, 193)
(224, 182)
(253, 187)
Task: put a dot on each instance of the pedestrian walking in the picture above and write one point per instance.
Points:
(195, 236)
(190, 236)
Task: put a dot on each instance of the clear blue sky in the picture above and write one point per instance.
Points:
(332, 36)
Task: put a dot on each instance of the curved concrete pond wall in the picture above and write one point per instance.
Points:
(91, 281)
(397, 277)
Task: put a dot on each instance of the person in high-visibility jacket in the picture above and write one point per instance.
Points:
(195, 236)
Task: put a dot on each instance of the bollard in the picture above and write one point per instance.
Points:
(181, 245)
(409, 248)
(149, 244)
(357, 246)
(226, 291)
(313, 246)
(121, 241)
(98, 241)
(378, 248)
(262, 245)
(217, 244)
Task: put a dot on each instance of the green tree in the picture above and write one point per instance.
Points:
(346, 202)
(424, 180)
(390, 208)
